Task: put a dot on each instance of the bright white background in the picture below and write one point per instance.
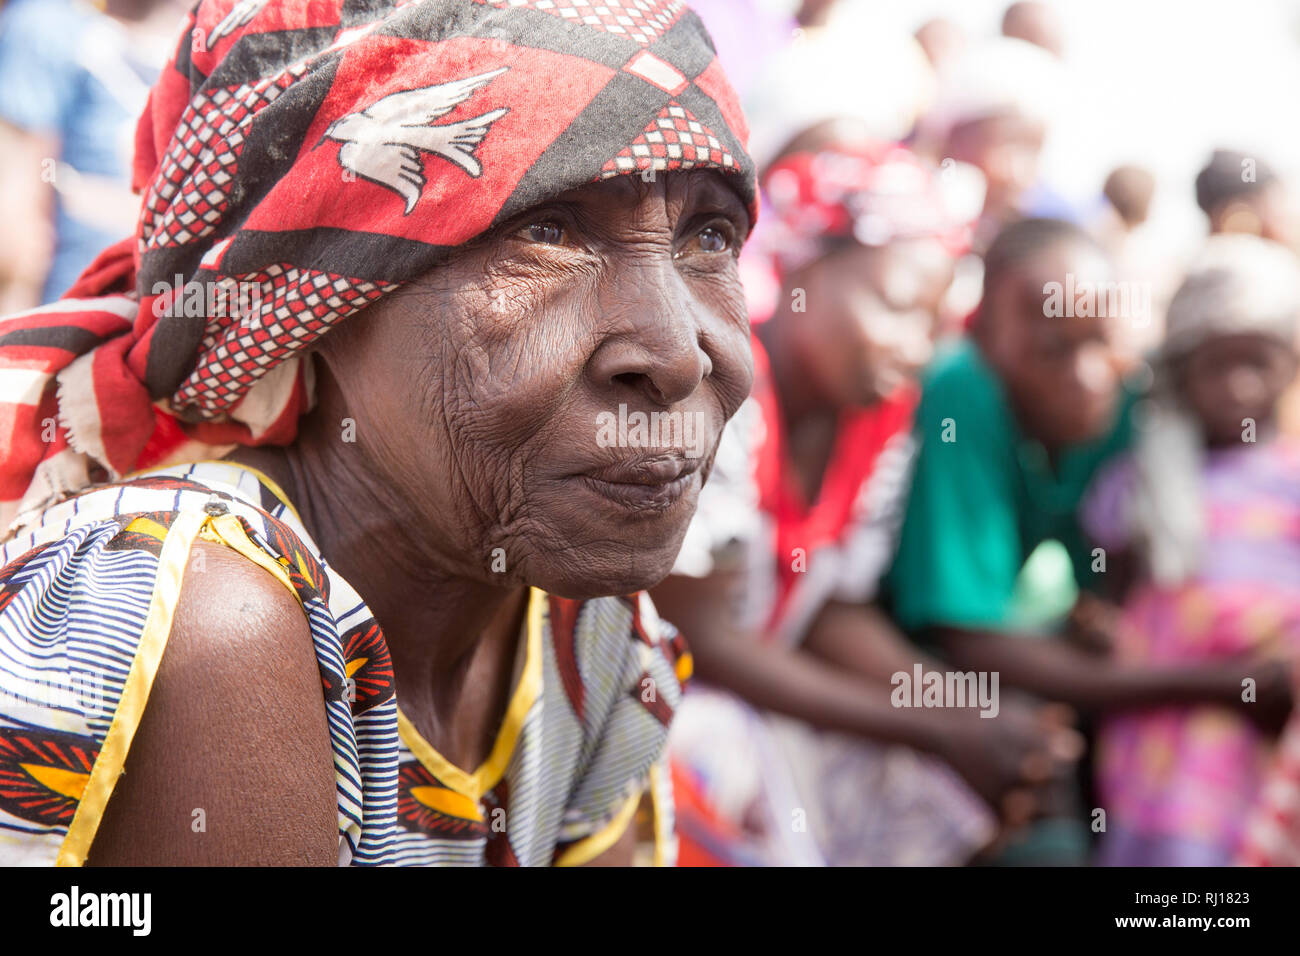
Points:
(1159, 83)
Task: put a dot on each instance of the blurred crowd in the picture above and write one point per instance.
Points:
(1000, 564)
(73, 81)
(1000, 441)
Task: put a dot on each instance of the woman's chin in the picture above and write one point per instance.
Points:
(605, 572)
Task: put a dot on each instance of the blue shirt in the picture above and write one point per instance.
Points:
(69, 73)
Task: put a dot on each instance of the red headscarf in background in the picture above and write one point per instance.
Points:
(874, 194)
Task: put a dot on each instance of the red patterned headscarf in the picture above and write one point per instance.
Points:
(299, 159)
(874, 193)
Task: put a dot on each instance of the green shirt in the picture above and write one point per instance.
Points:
(983, 497)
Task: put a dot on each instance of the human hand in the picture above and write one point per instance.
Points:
(1273, 695)
(1012, 759)
(1093, 624)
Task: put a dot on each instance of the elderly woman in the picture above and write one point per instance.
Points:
(379, 631)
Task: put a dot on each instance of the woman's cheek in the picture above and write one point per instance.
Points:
(510, 385)
(720, 299)
(735, 386)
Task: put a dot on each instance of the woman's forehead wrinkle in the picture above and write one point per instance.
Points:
(633, 206)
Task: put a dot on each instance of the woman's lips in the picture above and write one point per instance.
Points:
(644, 484)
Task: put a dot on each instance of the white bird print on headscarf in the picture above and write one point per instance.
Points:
(239, 14)
(383, 142)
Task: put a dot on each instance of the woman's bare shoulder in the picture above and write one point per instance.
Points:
(232, 762)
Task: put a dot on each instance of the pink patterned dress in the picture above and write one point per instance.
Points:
(1178, 783)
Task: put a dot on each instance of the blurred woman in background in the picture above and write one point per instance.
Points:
(788, 748)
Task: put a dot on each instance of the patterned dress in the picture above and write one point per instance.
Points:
(86, 600)
(1179, 783)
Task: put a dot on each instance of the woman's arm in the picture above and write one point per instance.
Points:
(1058, 671)
(27, 210)
(861, 640)
(235, 728)
(789, 681)
(1013, 751)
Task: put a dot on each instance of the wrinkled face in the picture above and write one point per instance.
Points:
(1233, 378)
(1061, 371)
(558, 389)
(870, 319)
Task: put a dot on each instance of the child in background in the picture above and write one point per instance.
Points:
(1140, 255)
(788, 749)
(1241, 194)
(1205, 514)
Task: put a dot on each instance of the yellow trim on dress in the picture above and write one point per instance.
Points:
(489, 773)
(172, 562)
(447, 801)
(226, 529)
(588, 848)
(658, 812)
(135, 691)
(260, 476)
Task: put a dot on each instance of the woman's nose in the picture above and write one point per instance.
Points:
(653, 343)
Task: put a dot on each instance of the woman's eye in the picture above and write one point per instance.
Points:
(713, 240)
(548, 231)
(708, 240)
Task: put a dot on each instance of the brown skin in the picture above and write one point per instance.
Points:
(866, 330)
(1035, 23)
(1006, 149)
(942, 40)
(236, 727)
(814, 13)
(838, 679)
(1061, 375)
(1224, 381)
(1236, 377)
(1129, 190)
(483, 437)
(868, 325)
(1265, 213)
